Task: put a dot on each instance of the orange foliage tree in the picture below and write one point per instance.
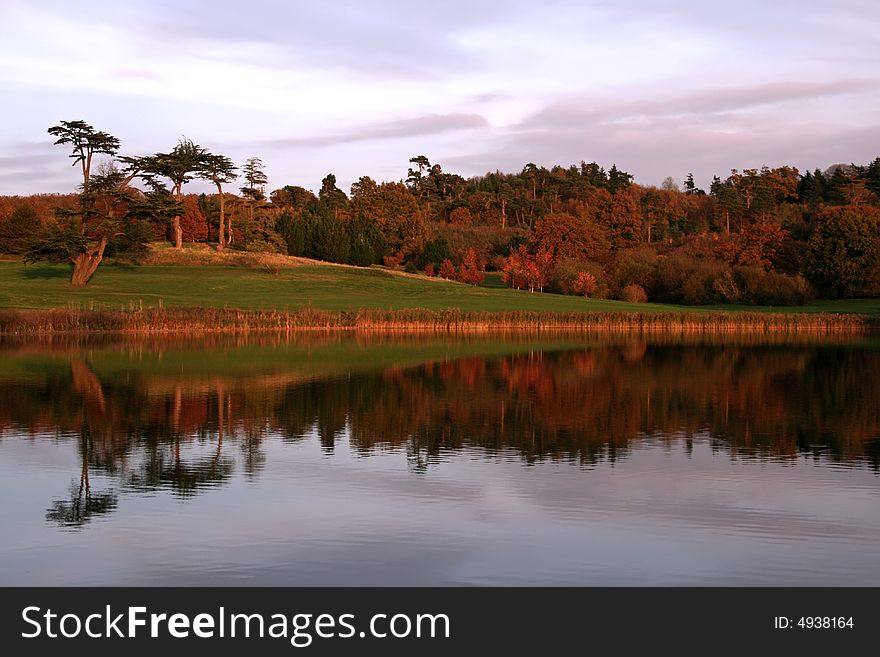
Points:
(447, 269)
(566, 235)
(585, 283)
(528, 270)
(469, 270)
(193, 224)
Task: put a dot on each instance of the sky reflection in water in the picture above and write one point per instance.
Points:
(424, 461)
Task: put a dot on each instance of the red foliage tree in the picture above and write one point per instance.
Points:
(469, 270)
(447, 269)
(566, 235)
(528, 270)
(193, 222)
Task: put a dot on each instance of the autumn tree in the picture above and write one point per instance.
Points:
(584, 284)
(392, 208)
(622, 219)
(193, 225)
(524, 269)
(469, 270)
(447, 269)
(565, 235)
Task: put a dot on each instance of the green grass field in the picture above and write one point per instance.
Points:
(321, 286)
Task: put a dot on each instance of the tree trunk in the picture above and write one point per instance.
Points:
(221, 242)
(85, 264)
(178, 234)
(178, 231)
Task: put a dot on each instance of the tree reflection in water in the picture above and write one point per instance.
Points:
(146, 425)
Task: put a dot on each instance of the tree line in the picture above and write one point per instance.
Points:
(766, 236)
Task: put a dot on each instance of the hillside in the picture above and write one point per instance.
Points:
(252, 281)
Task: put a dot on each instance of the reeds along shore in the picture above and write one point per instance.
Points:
(194, 321)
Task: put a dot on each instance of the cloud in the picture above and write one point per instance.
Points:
(706, 131)
(34, 167)
(133, 72)
(394, 38)
(658, 88)
(430, 124)
(573, 111)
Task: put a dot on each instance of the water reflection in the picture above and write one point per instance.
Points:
(151, 418)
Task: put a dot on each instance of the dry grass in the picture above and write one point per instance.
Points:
(195, 321)
(203, 254)
(206, 255)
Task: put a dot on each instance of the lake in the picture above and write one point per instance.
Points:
(345, 459)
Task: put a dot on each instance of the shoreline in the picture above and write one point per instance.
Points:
(204, 321)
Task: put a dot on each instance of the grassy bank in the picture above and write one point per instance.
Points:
(207, 320)
(251, 285)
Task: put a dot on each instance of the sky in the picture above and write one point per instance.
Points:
(358, 88)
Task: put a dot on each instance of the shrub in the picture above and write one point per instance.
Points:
(684, 279)
(636, 266)
(392, 260)
(768, 288)
(634, 294)
(429, 270)
(585, 283)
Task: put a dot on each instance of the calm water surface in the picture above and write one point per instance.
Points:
(334, 460)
